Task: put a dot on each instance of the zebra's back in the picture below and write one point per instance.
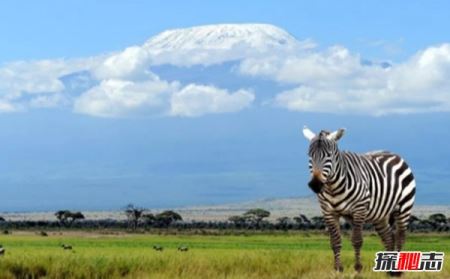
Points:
(390, 183)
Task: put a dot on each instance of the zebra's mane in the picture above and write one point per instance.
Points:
(377, 152)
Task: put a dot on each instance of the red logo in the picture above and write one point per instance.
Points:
(408, 261)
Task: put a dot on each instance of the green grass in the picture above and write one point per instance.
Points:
(290, 255)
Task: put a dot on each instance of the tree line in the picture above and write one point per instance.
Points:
(253, 219)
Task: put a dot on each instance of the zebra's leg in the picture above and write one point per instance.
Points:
(384, 230)
(401, 222)
(357, 239)
(332, 222)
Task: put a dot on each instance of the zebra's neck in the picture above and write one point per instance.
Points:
(338, 179)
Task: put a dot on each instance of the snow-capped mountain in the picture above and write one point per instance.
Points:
(211, 44)
(221, 36)
(203, 45)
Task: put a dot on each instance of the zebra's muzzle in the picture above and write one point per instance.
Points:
(316, 185)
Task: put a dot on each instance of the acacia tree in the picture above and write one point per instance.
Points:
(148, 218)
(284, 222)
(61, 215)
(67, 217)
(74, 216)
(237, 220)
(134, 215)
(318, 222)
(165, 218)
(438, 221)
(438, 218)
(256, 215)
(302, 221)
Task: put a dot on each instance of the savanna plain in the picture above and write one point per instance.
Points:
(211, 255)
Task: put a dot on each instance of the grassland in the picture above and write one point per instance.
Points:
(289, 255)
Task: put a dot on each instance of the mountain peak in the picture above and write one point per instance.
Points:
(222, 36)
(211, 44)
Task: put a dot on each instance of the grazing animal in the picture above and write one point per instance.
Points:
(376, 187)
(183, 249)
(158, 248)
(66, 247)
(2, 251)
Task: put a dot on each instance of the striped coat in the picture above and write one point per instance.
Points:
(376, 188)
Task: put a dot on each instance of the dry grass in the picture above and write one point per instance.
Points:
(256, 256)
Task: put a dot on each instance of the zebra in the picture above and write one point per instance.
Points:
(376, 187)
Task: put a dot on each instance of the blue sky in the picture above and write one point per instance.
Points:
(93, 117)
(54, 29)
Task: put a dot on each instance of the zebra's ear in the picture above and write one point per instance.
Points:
(309, 135)
(336, 135)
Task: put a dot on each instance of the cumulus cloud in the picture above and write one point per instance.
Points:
(132, 63)
(337, 81)
(121, 83)
(25, 84)
(6, 106)
(116, 97)
(334, 67)
(42, 76)
(196, 100)
(333, 80)
(37, 77)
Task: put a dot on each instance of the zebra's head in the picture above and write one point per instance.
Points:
(323, 153)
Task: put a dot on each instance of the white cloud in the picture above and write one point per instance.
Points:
(31, 84)
(310, 99)
(268, 66)
(334, 67)
(336, 81)
(42, 76)
(6, 106)
(428, 69)
(196, 100)
(120, 98)
(30, 77)
(116, 98)
(132, 63)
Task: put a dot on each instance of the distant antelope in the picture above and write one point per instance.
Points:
(158, 248)
(66, 247)
(183, 249)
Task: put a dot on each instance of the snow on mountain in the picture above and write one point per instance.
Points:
(221, 36)
(203, 45)
(213, 44)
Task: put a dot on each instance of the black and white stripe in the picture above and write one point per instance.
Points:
(376, 187)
